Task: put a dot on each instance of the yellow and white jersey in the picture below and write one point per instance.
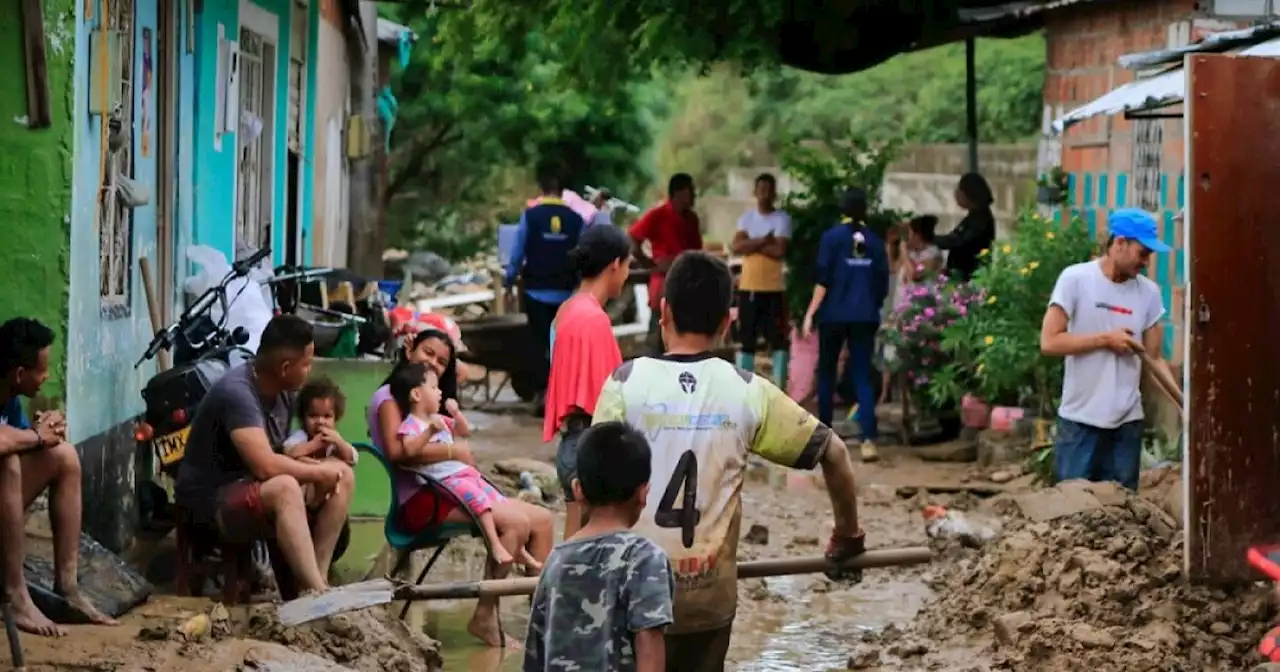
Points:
(703, 416)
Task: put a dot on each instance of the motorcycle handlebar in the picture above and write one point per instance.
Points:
(242, 267)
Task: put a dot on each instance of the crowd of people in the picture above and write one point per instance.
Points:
(652, 452)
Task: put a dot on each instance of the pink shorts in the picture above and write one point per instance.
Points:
(474, 491)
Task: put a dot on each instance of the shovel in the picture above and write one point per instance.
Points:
(381, 591)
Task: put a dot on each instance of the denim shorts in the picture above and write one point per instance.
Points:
(571, 431)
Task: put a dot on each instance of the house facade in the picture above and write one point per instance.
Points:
(1117, 162)
(170, 124)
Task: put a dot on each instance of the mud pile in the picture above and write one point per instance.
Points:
(369, 640)
(1087, 576)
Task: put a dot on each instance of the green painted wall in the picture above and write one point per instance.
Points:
(35, 179)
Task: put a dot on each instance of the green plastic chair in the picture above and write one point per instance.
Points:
(438, 536)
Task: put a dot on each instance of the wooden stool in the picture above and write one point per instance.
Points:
(196, 543)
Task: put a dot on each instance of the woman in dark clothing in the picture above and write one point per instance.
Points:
(974, 233)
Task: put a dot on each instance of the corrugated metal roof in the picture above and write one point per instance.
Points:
(389, 32)
(1162, 90)
(1223, 41)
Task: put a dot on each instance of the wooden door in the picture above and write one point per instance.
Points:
(1232, 466)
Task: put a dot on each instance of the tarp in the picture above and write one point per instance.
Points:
(575, 202)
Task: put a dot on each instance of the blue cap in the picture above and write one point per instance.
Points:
(1136, 224)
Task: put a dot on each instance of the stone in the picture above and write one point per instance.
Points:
(951, 451)
(1065, 499)
(1219, 628)
(1008, 627)
(864, 658)
(544, 474)
(998, 447)
(758, 534)
(1001, 477)
(1091, 637)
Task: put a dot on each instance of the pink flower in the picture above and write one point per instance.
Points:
(928, 312)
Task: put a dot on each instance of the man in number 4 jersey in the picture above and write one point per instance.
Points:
(703, 418)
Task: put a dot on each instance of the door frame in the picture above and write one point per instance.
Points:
(168, 86)
(266, 25)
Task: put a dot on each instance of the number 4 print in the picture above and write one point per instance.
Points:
(687, 516)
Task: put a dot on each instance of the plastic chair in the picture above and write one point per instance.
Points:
(438, 536)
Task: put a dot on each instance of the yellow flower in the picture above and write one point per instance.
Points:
(981, 367)
(1007, 249)
(984, 252)
(1024, 270)
(991, 300)
(1033, 265)
(989, 340)
(1048, 234)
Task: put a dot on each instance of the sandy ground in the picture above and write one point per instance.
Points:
(1076, 580)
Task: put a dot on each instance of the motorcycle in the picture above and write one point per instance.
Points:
(204, 350)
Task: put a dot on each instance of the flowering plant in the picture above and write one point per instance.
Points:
(994, 350)
(915, 331)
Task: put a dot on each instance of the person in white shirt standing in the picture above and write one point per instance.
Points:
(1098, 311)
(762, 301)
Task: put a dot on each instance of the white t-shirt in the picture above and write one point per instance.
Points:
(300, 436)
(758, 225)
(1102, 389)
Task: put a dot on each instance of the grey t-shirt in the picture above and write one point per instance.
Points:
(211, 460)
(594, 595)
(1101, 388)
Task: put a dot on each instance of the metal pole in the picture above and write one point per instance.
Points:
(971, 101)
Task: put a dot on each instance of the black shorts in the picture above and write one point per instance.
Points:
(762, 315)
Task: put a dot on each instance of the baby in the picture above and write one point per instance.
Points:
(320, 407)
(418, 396)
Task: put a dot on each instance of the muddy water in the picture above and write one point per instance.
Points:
(799, 624)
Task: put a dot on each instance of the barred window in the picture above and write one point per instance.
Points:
(1148, 147)
(115, 219)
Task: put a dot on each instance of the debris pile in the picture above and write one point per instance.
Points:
(431, 276)
(367, 640)
(1088, 576)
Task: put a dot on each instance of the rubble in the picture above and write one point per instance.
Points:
(1088, 576)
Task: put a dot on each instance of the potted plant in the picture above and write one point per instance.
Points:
(1051, 187)
(994, 349)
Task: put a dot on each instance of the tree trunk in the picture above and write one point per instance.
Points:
(364, 255)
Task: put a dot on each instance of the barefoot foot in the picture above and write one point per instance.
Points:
(531, 564)
(78, 602)
(28, 619)
(486, 630)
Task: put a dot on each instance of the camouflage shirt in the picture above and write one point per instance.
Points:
(595, 593)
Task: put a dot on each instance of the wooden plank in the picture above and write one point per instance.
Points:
(38, 113)
(1233, 410)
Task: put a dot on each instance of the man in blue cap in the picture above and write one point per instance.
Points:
(1101, 315)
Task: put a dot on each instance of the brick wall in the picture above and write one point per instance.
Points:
(1083, 44)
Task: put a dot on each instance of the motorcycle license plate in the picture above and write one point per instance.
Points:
(172, 446)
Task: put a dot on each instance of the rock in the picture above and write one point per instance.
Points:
(1001, 477)
(1219, 628)
(951, 451)
(804, 541)
(999, 447)
(1138, 550)
(1009, 626)
(544, 474)
(758, 534)
(1091, 637)
(1065, 499)
(864, 657)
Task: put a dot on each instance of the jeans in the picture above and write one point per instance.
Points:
(1096, 454)
(541, 316)
(861, 340)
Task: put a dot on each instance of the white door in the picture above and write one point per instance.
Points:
(255, 139)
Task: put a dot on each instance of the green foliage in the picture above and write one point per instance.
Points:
(449, 235)
(473, 107)
(995, 348)
(927, 310)
(821, 176)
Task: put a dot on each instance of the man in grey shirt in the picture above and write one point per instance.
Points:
(605, 596)
(1096, 314)
(233, 477)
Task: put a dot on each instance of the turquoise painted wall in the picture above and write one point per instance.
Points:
(215, 167)
(1096, 195)
(35, 178)
(102, 385)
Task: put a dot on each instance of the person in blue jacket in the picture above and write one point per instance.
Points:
(546, 233)
(852, 279)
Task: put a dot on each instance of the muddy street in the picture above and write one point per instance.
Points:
(1078, 577)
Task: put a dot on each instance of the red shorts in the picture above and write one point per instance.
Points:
(242, 517)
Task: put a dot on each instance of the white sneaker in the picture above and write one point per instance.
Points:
(868, 452)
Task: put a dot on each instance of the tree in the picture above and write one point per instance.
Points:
(477, 112)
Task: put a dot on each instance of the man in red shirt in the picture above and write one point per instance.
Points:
(670, 228)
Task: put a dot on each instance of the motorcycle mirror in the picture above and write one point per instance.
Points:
(240, 336)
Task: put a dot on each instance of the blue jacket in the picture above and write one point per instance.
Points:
(856, 285)
(547, 232)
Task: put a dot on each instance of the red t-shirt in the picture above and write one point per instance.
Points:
(669, 233)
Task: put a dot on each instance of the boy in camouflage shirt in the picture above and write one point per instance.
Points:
(604, 598)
